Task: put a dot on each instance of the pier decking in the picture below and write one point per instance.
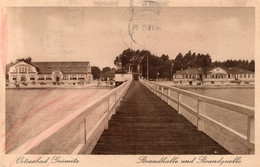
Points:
(145, 124)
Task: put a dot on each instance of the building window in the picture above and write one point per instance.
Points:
(73, 77)
(32, 77)
(65, 77)
(253, 75)
(244, 75)
(48, 77)
(241, 76)
(248, 75)
(14, 77)
(22, 69)
(23, 78)
(41, 77)
(30, 70)
(81, 76)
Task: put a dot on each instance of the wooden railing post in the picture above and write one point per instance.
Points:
(168, 95)
(162, 92)
(178, 104)
(82, 131)
(108, 113)
(200, 111)
(116, 104)
(250, 131)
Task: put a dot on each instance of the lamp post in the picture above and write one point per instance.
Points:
(141, 67)
(158, 76)
(171, 71)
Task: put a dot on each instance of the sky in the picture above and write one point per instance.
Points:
(98, 35)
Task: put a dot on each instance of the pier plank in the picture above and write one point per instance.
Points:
(145, 124)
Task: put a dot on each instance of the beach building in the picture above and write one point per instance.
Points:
(108, 76)
(190, 76)
(50, 72)
(214, 76)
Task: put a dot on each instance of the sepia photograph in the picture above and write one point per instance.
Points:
(144, 79)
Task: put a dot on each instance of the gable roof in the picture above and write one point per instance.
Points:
(8, 66)
(191, 71)
(64, 67)
(235, 70)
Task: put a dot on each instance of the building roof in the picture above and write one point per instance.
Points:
(235, 70)
(230, 70)
(64, 67)
(191, 71)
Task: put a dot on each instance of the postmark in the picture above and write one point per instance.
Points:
(143, 23)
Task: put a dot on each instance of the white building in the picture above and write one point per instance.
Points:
(49, 72)
(214, 76)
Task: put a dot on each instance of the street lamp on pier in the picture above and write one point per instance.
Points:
(171, 70)
(140, 66)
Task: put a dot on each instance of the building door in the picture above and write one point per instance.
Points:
(23, 78)
(190, 82)
(57, 79)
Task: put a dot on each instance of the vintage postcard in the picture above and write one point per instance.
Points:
(129, 83)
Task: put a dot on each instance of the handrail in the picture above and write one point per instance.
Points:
(79, 117)
(248, 111)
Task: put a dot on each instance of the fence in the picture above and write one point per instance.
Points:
(80, 130)
(234, 141)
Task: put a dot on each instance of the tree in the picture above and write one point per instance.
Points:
(191, 60)
(244, 64)
(28, 60)
(95, 72)
(105, 69)
(251, 66)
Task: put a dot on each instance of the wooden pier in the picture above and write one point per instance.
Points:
(145, 124)
(141, 117)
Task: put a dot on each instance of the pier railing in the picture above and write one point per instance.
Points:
(80, 130)
(217, 130)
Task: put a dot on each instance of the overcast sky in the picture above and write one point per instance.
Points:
(99, 35)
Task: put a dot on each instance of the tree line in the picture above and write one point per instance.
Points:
(163, 67)
(97, 72)
(193, 60)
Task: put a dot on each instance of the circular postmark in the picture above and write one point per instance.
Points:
(143, 26)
